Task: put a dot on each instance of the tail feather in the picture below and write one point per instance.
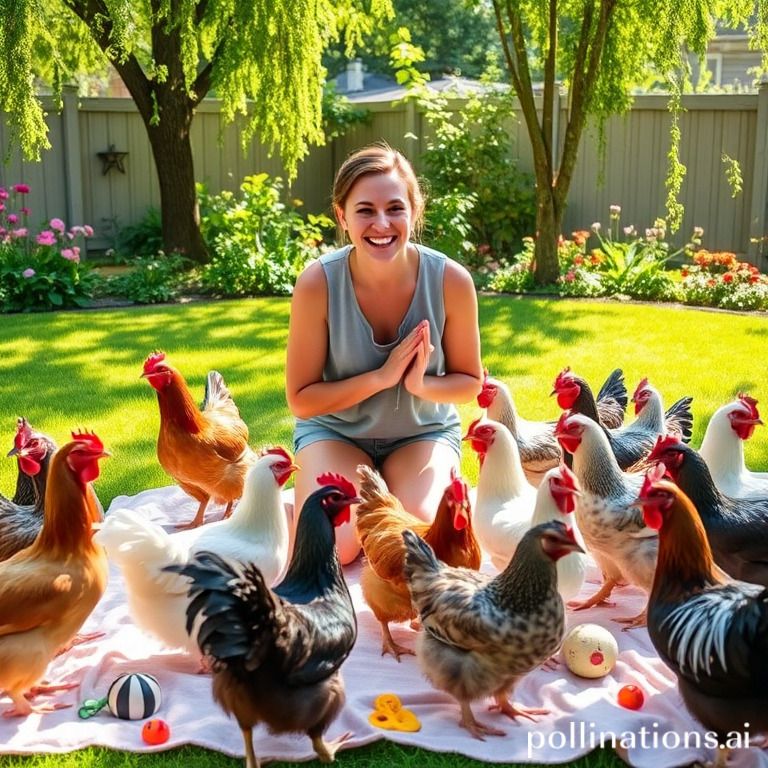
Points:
(373, 488)
(419, 556)
(236, 610)
(217, 394)
(679, 419)
(612, 400)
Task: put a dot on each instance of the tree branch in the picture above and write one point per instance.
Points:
(547, 122)
(202, 83)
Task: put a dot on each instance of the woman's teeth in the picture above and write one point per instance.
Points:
(381, 240)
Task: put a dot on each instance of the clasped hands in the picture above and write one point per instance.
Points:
(407, 362)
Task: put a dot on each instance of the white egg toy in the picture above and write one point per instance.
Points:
(590, 650)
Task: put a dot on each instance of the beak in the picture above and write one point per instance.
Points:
(104, 455)
(143, 375)
(356, 500)
(294, 468)
(13, 452)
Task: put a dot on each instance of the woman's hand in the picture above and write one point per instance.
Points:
(414, 377)
(401, 356)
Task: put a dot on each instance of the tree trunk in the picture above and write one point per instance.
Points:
(549, 220)
(172, 151)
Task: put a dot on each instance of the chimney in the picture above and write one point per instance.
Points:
(354, 75)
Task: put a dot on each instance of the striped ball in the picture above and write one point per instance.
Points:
(134, 696)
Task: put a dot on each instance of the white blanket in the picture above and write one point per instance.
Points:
(582, 712)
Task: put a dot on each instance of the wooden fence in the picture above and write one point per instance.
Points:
(69, 181)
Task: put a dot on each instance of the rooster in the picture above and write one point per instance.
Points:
(20, 523)
(381, 519)
(482, 635)
(610, 405)
(723, 449)
(505, 499)
(205, 450)
(613, 529)
(736, 528)
(535, 440)
(256, 532)
(49, 589)
(632, 443)
(30, 481)
(277, 653)
(711, 631)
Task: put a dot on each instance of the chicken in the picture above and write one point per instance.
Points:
(505, 499)
(482, 635)
(20, 523)
(556, 500)
(736, 528)
(49, 589)
(723, 449)
(711, 631)
(380, 522)
(277, 653)
(30, 485)
(608, 407)
(257, 532)
(205, 450)
(535, 440)
(632, 443)
(613, 529)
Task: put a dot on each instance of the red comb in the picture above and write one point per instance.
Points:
(459, 488)
(471, 428)
(23, 433)
(561, 422)
(563, 376)
(569, 479)
(341, 482)
(91, 438)
(662, 443)
(277, 450)
(751, 403)
(151, 362)
(652, 476)
(640, 387)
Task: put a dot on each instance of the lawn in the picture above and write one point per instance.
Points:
(81, 369)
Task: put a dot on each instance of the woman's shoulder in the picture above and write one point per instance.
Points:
(454, 274)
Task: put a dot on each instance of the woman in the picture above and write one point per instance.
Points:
(383, 340)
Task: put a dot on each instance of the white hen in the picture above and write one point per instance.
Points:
(257, 532)
(505, 499)
(723, 449)
(556, 500)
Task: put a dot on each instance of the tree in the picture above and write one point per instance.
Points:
(598, 49)
(262, 58)
(455, 35)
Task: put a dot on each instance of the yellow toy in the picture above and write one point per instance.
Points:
(389, 713)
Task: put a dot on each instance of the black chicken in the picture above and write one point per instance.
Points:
(737, 529)
(32, 472)
(276, 653)
(712, 632)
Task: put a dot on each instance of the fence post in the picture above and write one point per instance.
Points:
(758, 220)
(73, 168)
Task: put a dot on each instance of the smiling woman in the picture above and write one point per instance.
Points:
(383, 341)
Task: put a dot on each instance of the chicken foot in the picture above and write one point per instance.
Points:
(251, 761)
(326, 750)
(197, 520)
(388, 644)
(23, 707)
(79, 640)
(633, 622)
(477, 729)
(599, 598)
(506, 707)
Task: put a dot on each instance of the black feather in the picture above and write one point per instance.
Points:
(679, 418)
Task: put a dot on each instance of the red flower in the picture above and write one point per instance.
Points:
(728, 277)
(22, 189)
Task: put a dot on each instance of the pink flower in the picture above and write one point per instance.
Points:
(2, 206)
(88, 229)
(25, 210)
(570, 276)
(3, 193)
(12, 218)
(46, 237)
(20, 232)
(22, 189)
(57, 224)
(28, 272)
(68, 254)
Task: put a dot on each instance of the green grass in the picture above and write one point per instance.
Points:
(75, 369)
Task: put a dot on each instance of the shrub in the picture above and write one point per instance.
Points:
(41, 272)
(719, 279)
(151, 280)
(259, 244)
(144, 238)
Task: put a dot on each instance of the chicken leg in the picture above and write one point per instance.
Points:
(326, 750)
(477, 729)
(251, 761)
(197, 520)
(388, 644)
(633, 622)
(599, 598)
(23, 707)
(506, 707)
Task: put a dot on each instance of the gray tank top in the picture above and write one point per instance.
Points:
(391, 413)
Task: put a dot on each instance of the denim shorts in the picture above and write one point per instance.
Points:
(378, 449)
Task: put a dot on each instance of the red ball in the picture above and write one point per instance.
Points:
(631, 697)
(155, 731)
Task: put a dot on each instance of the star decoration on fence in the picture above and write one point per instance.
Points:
(112, 158)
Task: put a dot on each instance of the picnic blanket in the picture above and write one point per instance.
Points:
(582, 712)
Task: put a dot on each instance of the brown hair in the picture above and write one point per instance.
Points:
(373, 159)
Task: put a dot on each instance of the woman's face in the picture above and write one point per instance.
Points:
(377, 215)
